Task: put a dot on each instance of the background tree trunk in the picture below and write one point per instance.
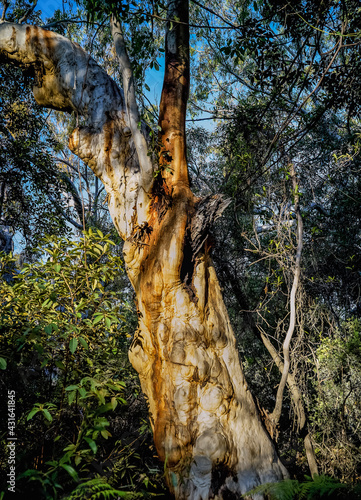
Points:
(205, 422)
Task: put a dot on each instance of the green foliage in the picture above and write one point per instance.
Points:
(43, 408)
(97, 9)
(336, 410)
(98, 489)
(18, 8)
(46, 485)
(61, 305)
(30, 183)
(65, 331)
(310, 489)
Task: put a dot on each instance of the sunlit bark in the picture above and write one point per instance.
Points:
(206, 426)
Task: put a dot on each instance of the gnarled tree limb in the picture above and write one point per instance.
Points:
(68, 79)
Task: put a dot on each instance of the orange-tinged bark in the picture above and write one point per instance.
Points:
(205, 422)
(173, 103)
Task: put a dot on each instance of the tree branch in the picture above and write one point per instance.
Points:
(64, 21)
(68, 79)
(6, 5)
(276, 414)
(27, 13)
(65, 215)
(70, 165)
(297, 401)
(214, 13)
(78, 205)
(140, 142)
(173, 104)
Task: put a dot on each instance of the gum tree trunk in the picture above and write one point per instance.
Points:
(206, 426)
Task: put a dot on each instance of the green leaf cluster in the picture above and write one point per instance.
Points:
(65, 327)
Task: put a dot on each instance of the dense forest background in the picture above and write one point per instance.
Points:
(274, 126)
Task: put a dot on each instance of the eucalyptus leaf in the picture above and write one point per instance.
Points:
(73, 344)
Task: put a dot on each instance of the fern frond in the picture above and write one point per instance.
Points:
(321, 486)
(99, 489)
(284, 490)
(315, 488)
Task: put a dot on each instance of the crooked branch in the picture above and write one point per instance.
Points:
(276, 414)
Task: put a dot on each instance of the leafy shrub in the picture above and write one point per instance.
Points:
(64, 333)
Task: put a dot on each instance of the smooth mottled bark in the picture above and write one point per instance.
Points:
(206, 426)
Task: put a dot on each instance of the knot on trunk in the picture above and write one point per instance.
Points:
(161, 196)
(207, 211)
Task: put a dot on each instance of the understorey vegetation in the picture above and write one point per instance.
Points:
(180, 274)
(65, 326)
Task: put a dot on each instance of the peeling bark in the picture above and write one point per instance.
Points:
(205, 423)
(206, 426)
